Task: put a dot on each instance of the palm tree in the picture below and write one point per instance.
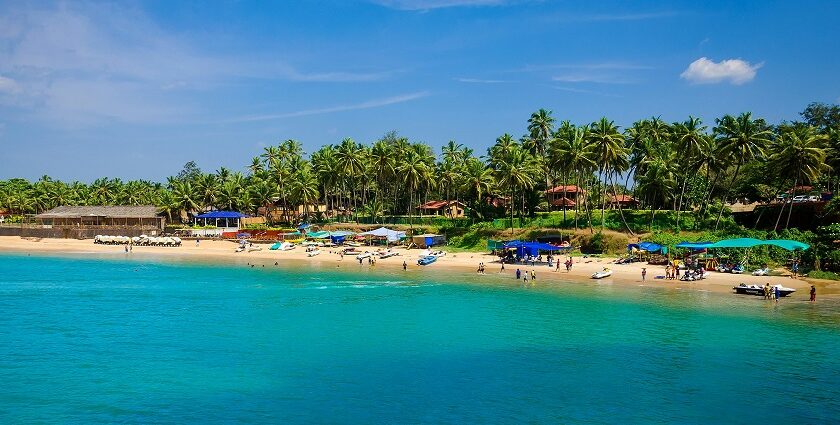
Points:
(515, 172)
(741, 138)
(477, 180)
(798, 153)
(305, 189)
(608, 144)
(413, 171)
(657, 182)
(577, 154)
(689, 137)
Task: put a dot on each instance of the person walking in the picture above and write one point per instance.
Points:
(533, 275)
(795, 269)
(405, 265)
(777, 294)
(813, 293)
(518, 274)
(644, 273)
(503, 266)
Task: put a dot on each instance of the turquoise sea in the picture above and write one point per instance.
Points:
(141, 340)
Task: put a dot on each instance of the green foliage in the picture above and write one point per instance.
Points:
(818, 274)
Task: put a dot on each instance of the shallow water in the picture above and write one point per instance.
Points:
(144, 341)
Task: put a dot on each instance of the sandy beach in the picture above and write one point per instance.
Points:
(629, 275)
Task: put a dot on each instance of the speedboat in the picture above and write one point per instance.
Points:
(313, 253)
(737, 269)
(286, 246)
(761, 272)
(388, 253)
(758, 290)
(363, 255)
(276, 246)
(425, 261)
(602, 274)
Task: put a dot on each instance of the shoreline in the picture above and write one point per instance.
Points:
(464, 263)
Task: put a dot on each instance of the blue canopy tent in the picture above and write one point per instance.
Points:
(694, 245)
(228, 217)
(532, 248)
(649, 247)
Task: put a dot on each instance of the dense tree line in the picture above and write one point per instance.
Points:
(686, 166)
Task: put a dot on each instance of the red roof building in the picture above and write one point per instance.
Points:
(452, 209)
(565, 196)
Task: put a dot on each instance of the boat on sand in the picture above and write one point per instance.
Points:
(426, 260)
(602, 274)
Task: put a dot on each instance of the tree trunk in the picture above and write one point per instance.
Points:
(620, 210)
(782, 210)
(790, 210)
(680, 205)
(729, 190)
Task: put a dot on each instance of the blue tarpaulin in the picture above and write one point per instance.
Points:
(222, 214)
(532, 248)
(694, 245)
(648, 246)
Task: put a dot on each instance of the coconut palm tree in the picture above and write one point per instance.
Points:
(477, 180)
(799, 153)
(515, 172)
(413, 170)
(305, 188)
(577, 154)
(689, 137)
(743, 139)
(657, 183)
(610, 153)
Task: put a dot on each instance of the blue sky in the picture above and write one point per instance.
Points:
(135, 90)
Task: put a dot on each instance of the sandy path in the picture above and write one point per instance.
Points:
(214, 250)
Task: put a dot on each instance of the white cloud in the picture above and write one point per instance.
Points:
(8, 85)
(734, 71)
(436, 4)
(376, 103)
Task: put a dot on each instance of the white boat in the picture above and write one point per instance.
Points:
(363, 255)
(602, 274)
(761, 272)
(388, 253)
(313, 253)
(355, 244)
(254, 248)
(286, 246)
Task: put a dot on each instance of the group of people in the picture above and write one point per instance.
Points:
(482, 269)
(568, 263)
(672, 272)
(524, 276)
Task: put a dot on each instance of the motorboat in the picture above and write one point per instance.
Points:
(602, 274)
(692, 275)
(364, 255)
(761, 272)
(426, 260)
(276, 246)
(354, 244)
(286, 246)
(313, 253)
(388, 253)
(758, 290)
(737, 269)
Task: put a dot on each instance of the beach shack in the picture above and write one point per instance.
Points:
(428, 240)
(651, 252)
(143, 218)
(225, 221)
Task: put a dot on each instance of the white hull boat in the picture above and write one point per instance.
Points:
(602, 274)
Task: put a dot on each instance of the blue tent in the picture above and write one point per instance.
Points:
(222, 214)
(229, 217)
(694, 245)
(532, 248)
(648, 246)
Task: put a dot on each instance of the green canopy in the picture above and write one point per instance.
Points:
(318, 235)
(750, 242)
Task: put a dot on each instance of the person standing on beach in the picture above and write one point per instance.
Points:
(533, 275)
(196, 242)
(644, 273)
(518, 274)
(813, 293)
(767, 291)
(405, 265)
(795, 269)
(503, 266)
(777, 294)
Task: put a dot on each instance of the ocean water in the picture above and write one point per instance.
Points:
(138, 340)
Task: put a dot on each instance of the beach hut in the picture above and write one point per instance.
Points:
(226, 219)
(428, 240)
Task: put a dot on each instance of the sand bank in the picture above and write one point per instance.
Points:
(629, 275)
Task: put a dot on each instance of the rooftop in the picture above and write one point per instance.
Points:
(110, 211)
